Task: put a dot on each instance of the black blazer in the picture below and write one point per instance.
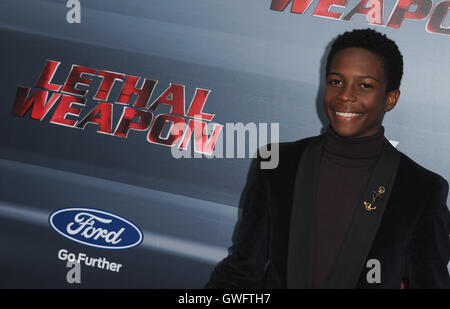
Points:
(407, 232)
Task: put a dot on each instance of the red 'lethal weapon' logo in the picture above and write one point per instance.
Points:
(69, 101)
(404, 9)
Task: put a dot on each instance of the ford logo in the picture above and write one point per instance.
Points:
(96, 228)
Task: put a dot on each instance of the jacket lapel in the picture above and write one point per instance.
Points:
(361, 232)
(365, 221)
(300, 262)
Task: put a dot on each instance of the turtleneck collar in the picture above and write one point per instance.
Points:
(357, 152)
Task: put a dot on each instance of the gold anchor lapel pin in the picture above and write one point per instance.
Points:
(375, 194)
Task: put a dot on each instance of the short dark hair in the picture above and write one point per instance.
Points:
(377, 43)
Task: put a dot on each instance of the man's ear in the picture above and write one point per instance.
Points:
(392, 99)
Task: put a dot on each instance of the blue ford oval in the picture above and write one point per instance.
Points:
(95, 228)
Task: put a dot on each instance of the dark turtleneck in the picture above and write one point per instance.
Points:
(345, 168)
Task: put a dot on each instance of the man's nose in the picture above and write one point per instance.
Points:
(347, 94)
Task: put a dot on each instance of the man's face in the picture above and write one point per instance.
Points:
(355, 95)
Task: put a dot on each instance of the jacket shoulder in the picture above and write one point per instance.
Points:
(285, 158)
(418, 173)
(288, 153)
(424, 185)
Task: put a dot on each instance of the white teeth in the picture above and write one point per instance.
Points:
(347, 114)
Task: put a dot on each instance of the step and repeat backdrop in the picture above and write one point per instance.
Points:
(127, 127)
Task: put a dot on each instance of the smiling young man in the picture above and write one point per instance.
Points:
(344, 209)
(358, 91)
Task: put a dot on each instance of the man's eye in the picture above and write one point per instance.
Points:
(365, 85)
(334, 82)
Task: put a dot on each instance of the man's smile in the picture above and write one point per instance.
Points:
(348, 116)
